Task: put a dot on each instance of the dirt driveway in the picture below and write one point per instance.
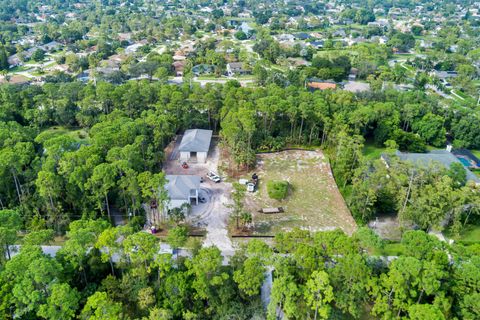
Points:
(212, 215)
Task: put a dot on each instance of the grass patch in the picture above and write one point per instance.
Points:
(314, 201)
(469, 235)
(390, 249)
(476, 172)
(18, 69)
(476, 153)
(79, 135)
(277, 190)
(209, 77)
(372, 152)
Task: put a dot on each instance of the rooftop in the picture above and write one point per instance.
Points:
(196, 140)
(436, 156)
(322, 85)
(179, 187)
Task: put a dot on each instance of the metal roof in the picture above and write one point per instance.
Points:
(180, 186)
(196, 140)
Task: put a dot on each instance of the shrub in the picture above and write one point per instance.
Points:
(277, 189)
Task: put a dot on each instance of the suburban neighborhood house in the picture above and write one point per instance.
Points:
(195, 145)
(443, 157)
(236, 68)
(182, 191)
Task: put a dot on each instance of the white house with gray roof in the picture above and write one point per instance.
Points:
(195, 145)
(182, 189)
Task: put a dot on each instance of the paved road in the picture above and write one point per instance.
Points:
(203, 83)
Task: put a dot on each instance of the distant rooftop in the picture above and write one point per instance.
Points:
(436, 156)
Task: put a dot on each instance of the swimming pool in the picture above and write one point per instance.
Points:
(465, 162)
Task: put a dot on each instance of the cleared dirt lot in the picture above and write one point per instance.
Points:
(314, 201)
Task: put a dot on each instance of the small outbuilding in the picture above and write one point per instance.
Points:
(195, 145)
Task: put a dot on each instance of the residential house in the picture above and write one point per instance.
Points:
(351, 41)
(285, 37)
(14, 60)
(443, 158)
(195, 145)
(133, 48)
(179, 66)
(51, 46)
(356, 86)
(445, 74)
(339, 33)
(245, 28)
(302, 36)
(236, 68)
(318, 44)
(178, 56)
(182, 191)
(380, 40)
(203, 69)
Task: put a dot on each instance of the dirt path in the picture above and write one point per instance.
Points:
(215, 220)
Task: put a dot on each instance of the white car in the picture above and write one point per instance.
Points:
(213, 176)
(243, 181)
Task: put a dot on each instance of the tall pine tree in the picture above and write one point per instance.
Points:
(3, 58)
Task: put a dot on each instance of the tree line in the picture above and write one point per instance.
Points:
(100, 143)
(105, 272)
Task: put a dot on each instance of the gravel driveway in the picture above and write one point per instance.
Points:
(214, 214)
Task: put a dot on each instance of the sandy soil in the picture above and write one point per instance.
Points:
(212, 215)
(314, 201)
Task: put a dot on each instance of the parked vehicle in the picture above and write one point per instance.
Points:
(243, 181)
(185, 165)
(252, 186)
(213, 176)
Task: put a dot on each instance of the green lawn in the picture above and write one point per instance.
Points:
(209, 77)
(430, 148)
(78, 134)
(476, 171)
(469, 235)
(372, 152)
(18, 69)
(390, 249)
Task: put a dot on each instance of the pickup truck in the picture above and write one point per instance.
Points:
(213, 176)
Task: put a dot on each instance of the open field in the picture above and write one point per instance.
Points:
(314, 201)
(372, 152)
(80, 135)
